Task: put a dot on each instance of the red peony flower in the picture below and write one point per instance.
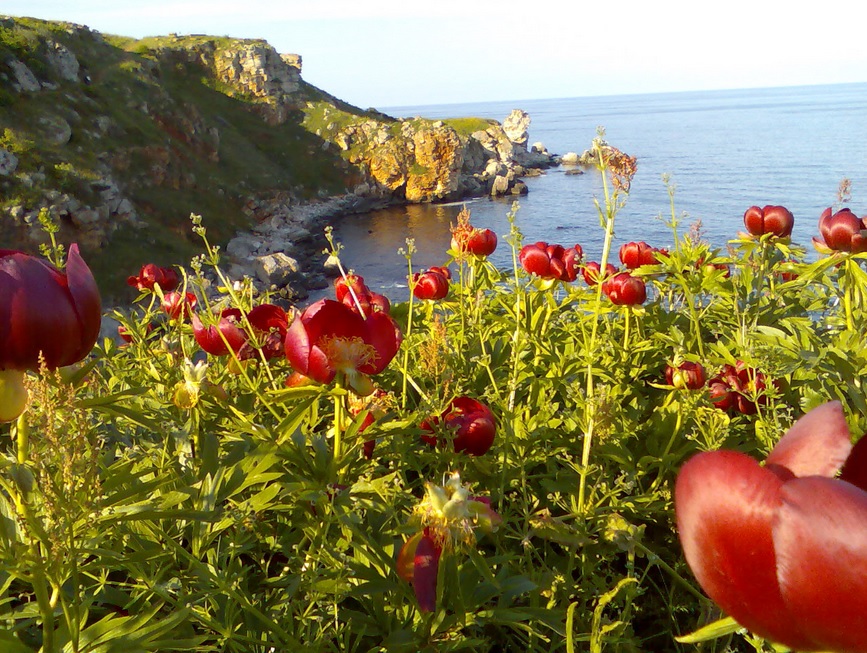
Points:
(777, 220)
(473, 424)
(842, 232)
(432, 284)
(178, 306)
(591, 270)
(46, 312)
(686, 376)
(782, 548)
(221, 338)
(625, 290)
(634, 255)
(551, 261)
(470, 240)
(731, 390)
(329, 339)
(151, 275)
(354, 293)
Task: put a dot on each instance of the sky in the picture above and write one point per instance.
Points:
(398, 53)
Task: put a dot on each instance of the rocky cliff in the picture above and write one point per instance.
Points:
(119, 140)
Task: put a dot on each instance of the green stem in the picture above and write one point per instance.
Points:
(590, 406)
(409, 317)
(339, 412)
(22, 438)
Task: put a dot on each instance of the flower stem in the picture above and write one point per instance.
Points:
(22, 438)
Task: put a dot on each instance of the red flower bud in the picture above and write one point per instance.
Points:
(178, 306)
(473, 423)
(625, 290)
(634, 255)
(842, 231)
(430, 285)
(777, 220)
(686, 376)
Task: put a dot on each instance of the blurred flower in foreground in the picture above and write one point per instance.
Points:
(448, 516)
(46, 313)
(782, 548)
(329, 340)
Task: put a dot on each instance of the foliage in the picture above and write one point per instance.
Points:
(158, 499)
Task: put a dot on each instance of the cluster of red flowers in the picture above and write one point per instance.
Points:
(552, 262)
(738, 388)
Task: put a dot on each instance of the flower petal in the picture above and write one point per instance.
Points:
(821, 544)
(425, 568)
(725, 505)
(855, 469)
(816, 445)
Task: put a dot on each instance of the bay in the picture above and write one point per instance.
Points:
(723, 151)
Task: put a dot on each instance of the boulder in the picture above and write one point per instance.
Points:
(24, 79)
(8, 163)
(55, 129)
(570, 159)
(276, 269)
(63, 61)
(500, 186)
(516, 125)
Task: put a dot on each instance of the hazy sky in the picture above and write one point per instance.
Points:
(385, 53)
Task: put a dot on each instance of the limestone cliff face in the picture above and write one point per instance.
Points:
(250, 69)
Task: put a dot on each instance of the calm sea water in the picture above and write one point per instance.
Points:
(723, 150)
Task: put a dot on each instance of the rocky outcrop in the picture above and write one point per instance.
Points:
(252, 69)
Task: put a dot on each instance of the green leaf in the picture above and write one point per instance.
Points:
(719, 628)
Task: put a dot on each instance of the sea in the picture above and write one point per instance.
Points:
(721, 152)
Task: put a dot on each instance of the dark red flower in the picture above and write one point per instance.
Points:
(551, 261)
(354, 293)
(782, 548)
(270, 324)
(777, 220)
(432, 284)
(738, 388)
(46, 312)
(842, 232)
(329, 338)
(178, 306)
(418, 564)
(226, 335)
(472, 422)
(625, 290)
(151, 275)
(686, 376)
(634, 255)
(468, 239)
(591, 270)
(351, 282)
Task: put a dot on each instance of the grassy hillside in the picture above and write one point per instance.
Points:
(175, 138)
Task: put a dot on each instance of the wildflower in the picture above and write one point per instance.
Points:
(151, 275)
(448, 517)
(776, 220)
